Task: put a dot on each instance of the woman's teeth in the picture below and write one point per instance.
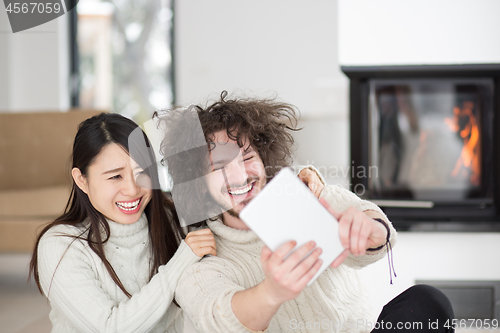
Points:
(242, 190)
(128, 206)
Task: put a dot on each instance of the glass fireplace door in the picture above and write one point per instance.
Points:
(430, 139)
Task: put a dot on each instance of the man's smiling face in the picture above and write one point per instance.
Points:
(237, 176)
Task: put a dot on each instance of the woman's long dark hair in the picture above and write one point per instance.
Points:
(165, 232)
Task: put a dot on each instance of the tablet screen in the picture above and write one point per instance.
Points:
(287, 210)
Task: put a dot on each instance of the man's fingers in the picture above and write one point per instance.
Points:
(340, 259)
(284, 249)
(356, 224)
(266, 254)
(344, 231)
(364, 233)
(335, 214)
(302, 282)
(297, 256)
(306, 264)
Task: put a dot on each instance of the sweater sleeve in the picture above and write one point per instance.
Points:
(340, 200)
(205, 291)
(70, 280)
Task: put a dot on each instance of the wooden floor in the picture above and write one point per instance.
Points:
(24, 310)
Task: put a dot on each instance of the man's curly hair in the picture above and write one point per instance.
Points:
(266, 124)
(263, 123)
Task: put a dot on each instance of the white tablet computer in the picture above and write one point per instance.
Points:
(287, 210)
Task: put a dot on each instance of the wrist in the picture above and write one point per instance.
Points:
(266, 294)
(385, 228)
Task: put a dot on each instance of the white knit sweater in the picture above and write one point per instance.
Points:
(335, 302)
(84, 298)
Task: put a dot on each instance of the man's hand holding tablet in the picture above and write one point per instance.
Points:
(287, 216)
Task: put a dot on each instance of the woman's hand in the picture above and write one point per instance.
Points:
(286, 278)
(312, 180)
(201, 242)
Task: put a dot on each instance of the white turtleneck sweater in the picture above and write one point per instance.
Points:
(335, 302)
(84, 298)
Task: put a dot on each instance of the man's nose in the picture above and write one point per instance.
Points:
(236, 173)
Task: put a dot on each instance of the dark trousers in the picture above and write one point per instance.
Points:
(420, 308)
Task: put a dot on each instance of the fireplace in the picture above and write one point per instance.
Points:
(427, 140)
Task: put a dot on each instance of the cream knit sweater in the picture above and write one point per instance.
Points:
(84, 298)
(335, 302)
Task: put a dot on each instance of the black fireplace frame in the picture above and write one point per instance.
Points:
(480, 216)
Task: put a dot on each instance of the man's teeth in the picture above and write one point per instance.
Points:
(241, 190)
(128, 205)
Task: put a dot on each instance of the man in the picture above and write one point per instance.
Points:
(247, 287)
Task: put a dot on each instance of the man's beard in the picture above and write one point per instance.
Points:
(233, 213)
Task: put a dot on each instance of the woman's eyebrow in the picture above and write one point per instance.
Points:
(113, 170)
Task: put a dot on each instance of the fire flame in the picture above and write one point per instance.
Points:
(469, 156)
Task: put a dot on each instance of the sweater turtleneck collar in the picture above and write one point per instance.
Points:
(119, 230)
(231, 234)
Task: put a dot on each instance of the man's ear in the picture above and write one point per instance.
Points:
(79, 179)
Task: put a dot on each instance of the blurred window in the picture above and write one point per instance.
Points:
(124, 61)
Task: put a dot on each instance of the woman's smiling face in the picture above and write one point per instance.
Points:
(116, 185)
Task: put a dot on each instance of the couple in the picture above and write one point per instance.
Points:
(118, 260)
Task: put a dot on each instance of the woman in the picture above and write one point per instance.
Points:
(111, 262)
